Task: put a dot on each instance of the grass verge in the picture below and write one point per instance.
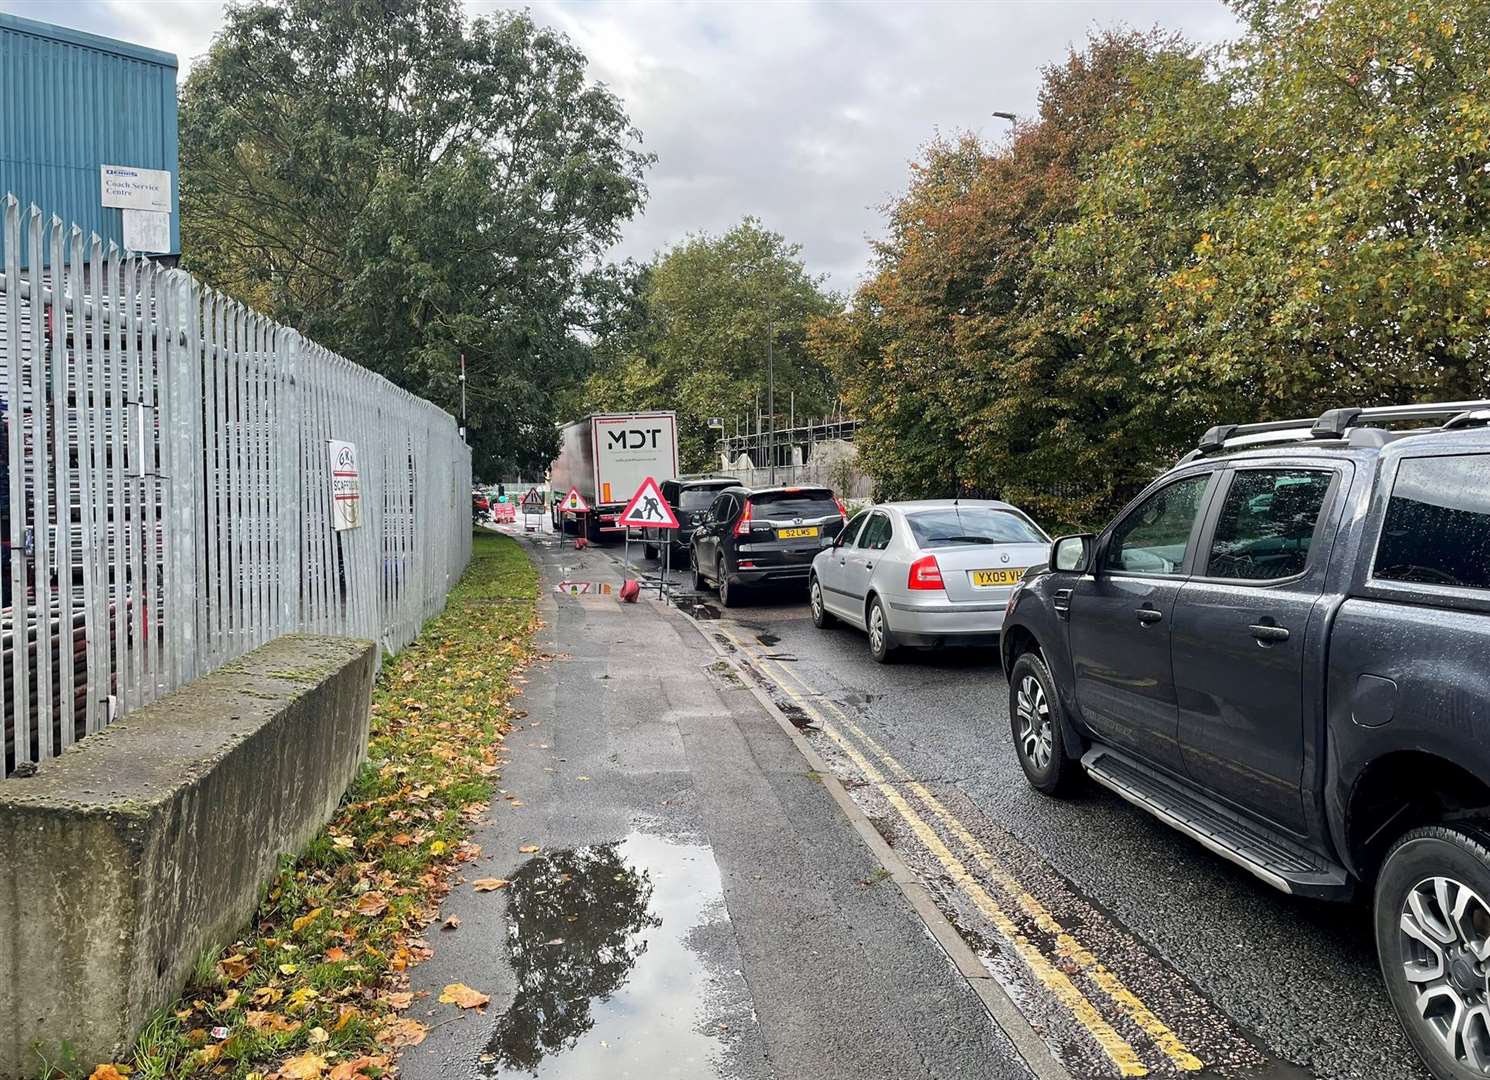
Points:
(314, 987)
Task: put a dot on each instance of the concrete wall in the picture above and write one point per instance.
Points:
(142, 847)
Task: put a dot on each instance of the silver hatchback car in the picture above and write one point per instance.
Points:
(937, 571)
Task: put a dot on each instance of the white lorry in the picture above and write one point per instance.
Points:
(605, 458)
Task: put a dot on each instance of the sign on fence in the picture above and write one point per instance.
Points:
(346, 486)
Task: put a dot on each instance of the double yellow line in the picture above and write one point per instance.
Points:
(1071, 997)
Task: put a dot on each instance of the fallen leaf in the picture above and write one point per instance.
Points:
(402, 839)
(401, 999)
(336, 954)
(490, 884)
(109, 1072)
(270, 1021)
(304, 1067)
(462, 995)
(344, 1016)
(343, 842)
(316, 1036)
(358, 1068)
(450, 923)
(437, 848)
(288, 969)
(306, 919)
(230, 999)
(372, 903)
(300, 999)
(234, 967)
(267, 995)
(530, 849)
(403, 1032)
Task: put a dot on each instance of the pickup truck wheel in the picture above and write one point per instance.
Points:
(1432, 921)
(1035, 722)
(822, 618)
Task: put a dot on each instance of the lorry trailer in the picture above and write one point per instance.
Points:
(605, 458)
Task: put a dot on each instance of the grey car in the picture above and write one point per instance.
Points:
(931, 572)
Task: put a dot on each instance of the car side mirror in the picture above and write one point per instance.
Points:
(1073, 554)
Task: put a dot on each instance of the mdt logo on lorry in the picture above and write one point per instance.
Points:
(636, 438)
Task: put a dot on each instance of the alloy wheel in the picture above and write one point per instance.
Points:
(876, 628)
(1445, 928)
(1035, 737)
(815, 598)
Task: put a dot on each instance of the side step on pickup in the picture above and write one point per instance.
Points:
(1271, 856)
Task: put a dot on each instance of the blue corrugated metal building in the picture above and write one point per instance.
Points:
(72, 102)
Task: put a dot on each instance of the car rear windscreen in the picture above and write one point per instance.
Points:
(698, 498)
(971, 525)
(808, 503)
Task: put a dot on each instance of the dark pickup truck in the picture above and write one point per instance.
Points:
(1282, 649)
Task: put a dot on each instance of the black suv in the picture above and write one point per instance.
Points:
(1282, 649)
(689, 499)
(762, 536)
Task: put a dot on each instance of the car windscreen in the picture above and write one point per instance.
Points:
(808, 503)
(971, 525)
(697, 498)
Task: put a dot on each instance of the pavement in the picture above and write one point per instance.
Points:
(698, 904)
(1104, 943)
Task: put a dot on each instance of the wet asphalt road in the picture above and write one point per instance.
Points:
(1297, 977)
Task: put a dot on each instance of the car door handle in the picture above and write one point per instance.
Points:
(1148, 615)
(1266, 633)
(869, 566)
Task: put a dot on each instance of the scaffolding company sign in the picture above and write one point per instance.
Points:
(346, 486)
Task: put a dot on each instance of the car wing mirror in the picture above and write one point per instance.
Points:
(1073, 554)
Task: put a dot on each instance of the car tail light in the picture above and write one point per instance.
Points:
(743, 525)
(841, 508)
(925, 574)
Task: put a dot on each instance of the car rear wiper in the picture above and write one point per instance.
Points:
(962, 540)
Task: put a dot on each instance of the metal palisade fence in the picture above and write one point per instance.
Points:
(166, 487)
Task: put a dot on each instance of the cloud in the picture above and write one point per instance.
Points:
(805, 115)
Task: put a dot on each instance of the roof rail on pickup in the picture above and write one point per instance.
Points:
(1339, 424)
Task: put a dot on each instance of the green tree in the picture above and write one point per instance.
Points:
(692, 335)
(930, 356)
(405, 187)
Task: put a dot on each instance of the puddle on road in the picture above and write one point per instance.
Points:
(608, 984)
(695, 605)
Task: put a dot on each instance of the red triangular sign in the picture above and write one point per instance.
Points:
(574, 503)
(648, 509)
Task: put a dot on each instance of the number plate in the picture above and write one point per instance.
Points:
(797, 534)
(996, 577)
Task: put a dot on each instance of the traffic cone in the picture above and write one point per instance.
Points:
(580, 543)
(630, 590)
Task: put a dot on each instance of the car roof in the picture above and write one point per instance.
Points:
(720, 482)
(789, 489)
(912, 505)
(1369, 443)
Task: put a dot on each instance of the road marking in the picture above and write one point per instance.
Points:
(1060, 986)
(1066, 945)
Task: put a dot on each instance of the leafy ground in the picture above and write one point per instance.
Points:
(316, 987)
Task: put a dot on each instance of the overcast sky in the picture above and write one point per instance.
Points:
(802, 114)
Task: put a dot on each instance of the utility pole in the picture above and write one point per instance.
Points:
(771, 390)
